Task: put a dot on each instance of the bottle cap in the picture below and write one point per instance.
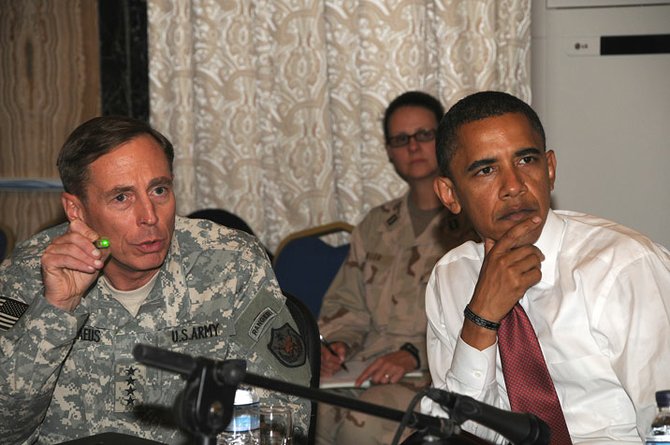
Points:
(663, 398)
(244, 396)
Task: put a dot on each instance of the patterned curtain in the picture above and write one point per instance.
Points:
(275, 106)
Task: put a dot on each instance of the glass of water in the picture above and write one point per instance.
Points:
(276, 425)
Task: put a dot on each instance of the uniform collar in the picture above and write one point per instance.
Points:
(397, 223)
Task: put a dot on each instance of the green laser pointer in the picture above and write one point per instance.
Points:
(101, 243)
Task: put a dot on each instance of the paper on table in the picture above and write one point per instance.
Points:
(347, 379)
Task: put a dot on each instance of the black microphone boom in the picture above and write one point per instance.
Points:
(205, 405)
(519, 428)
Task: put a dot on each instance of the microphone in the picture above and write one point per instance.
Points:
(176, 362)
(205, 405)
(519, 428)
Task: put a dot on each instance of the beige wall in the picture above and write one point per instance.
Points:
(49, 83)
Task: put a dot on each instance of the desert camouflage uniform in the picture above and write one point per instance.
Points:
(376, 304)
(67, 375)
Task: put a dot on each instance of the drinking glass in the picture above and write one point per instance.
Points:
(276, 425)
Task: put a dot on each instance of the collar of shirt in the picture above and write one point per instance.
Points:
(549, 243)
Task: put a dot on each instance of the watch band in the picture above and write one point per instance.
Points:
(414, 351)
(479, 321)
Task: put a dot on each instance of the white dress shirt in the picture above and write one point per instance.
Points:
(602, 317)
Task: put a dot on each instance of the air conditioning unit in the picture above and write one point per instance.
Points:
(600, 80)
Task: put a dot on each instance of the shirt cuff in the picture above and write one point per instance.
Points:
(472, 367)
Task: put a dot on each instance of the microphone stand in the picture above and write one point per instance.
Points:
(205, 406)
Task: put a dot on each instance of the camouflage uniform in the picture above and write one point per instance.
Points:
(67, 375)
(376, 304)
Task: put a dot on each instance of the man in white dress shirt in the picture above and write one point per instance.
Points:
(596, 293)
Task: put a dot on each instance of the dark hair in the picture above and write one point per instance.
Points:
(476, 107)
(412, 99)
(95, 138)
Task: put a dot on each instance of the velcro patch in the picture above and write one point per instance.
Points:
(287, 346)
(129, 381)
(262, 319)
(10, 312)
(391, 220)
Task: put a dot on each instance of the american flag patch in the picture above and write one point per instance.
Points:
(10, 312)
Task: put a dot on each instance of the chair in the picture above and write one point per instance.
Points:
(6, 242)
(305, 265)
(309, 331)
(228, 219)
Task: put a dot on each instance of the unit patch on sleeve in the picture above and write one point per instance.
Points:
(287, 346)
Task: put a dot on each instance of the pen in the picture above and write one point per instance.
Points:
(332, 351)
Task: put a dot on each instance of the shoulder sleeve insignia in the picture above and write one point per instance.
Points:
(260, 322)
(287, 346)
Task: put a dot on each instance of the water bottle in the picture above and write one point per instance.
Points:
(659, 433)
(244, 427)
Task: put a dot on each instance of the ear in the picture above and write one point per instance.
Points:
(551, 167)
(444, 188)
(73, 207)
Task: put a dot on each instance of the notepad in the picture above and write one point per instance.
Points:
(347, 379)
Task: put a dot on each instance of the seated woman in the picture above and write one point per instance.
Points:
(374, 310)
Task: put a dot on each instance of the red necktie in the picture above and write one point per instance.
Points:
(529, 385)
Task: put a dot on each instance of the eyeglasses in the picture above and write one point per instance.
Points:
(402, 139)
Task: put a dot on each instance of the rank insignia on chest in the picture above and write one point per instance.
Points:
(128, 386)
(287, 346)
(391, 220)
